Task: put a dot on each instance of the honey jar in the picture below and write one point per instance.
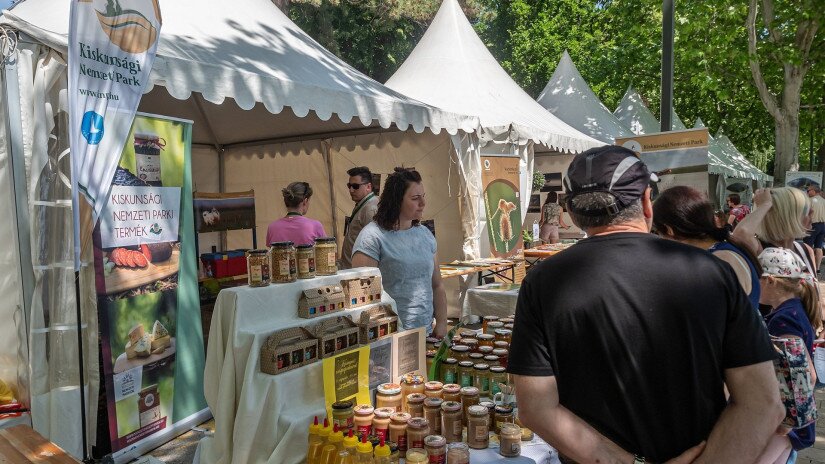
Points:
(364, 415)
(451, 392)
(486, 320)
(504, 415)
(415, 404)
(398, 431)
(436, 447)
(459, 352)
(411, 383)
(284, 264)
(481, 378)
(510, 440)
(478, 427)
(388, 395)
(433, 389)
(471, 343)
(502, 354)
(343, 415)
(306, 261)
(493, 326)
(417, 429)
(381, 422)
(326, 253)
(432, 412)
(469, 397)
(504, 335)
(486, 339)
(451, 426)
(257, 268)
(498, 376)
(465, 373)
(458, 453)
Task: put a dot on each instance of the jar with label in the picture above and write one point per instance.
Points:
(148, 406)
(478, 427)
(472, 343)
(451, 392)
(284, 267)
(436, 447)
(459, 352)
(458, 453)
(343, 415)
(510, 440)
(493, 326)
(504, 335)
(502, 354)
(486, 320)
(491, 360)
(504, 415)
(485, 350)
(364, 415)
(257, 268)
(415, 404)
(432, 412)
(388, 395)
(433, 343)
(433, 389)
(486, 339)
(430, 359)
(147, 158)
(469, 397)
(481, 378)
(326, 253)
(498, 376)
(475, 358)
(381, 422)
(507, 320)
(465, 373)
(416, 456)
(398, 431)
(417, 429)
(411, 383)
(451, 426)
(449, 370)
(306, 261)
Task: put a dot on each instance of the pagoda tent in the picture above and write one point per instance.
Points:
(234, 68)
(633, 113)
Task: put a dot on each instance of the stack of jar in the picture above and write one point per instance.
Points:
(479, 359)
(288, 263)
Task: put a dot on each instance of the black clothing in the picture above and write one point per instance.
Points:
(638, 331)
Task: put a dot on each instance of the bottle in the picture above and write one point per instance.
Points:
(350, 443)
(316, 443)
(363, 451)
(336, 438)
(345, 457)
(328, 454)
(323, 432)
(382, 453)
(314, 428)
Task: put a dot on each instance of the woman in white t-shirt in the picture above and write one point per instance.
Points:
(405, 252)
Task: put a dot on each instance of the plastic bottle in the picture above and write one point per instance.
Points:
(314, 428)
(382, 453)
(345, 457)
(316, 443)
(336, 438)
(350, 443)
(363, 451)
(325, 431)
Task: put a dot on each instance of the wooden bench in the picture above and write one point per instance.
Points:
(21, 444)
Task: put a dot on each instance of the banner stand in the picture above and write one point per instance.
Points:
(80, 366)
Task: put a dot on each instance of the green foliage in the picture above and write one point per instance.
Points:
(538, 180)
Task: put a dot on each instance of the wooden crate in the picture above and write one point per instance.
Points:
(320, 301)
(377, 323)
(287, 349)
(362, 291)
(336, 335)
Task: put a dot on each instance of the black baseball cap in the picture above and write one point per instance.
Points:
(611, 169)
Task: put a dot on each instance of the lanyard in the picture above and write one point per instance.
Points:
(361, 204)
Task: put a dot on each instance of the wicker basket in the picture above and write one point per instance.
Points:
(320, 301)
(362, 291)
(377, 323)
(336, 335)
(287, 349)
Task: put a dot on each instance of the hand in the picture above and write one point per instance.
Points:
(440, 330)
(783, 429)
(688, 456)
(762, 197)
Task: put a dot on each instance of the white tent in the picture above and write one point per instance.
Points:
(452, 69)
(568, 96)
(633, 113)
(232, 68)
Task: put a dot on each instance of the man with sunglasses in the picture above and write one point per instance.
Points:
(366, 203)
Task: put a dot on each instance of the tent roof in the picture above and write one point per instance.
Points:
(633, 113)
(568, 96)
(452, 69)
(249, 51)
(733, 153)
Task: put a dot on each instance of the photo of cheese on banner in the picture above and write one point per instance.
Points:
(143, 332)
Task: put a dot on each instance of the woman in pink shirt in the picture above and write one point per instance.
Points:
(294, 227)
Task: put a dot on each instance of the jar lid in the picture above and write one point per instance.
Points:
(500, 352)
(487, 404)
(450, 406)
(389, 389)
(412, 379)
(452, 388)
(498, 369)
(469, 391)
(460, 348)
(384, 413)
(478, 410)
(510, 429)
(346, 404)
(501, 344)
(433, 385)
(485, 350)
(466, 364)
(491, 358)
(364, 409)
(503, 331)
(468, 333)
(435, 441)
(491, 318)
(433, 402)
(481, 366)
(507, 320)
(469, 341)
(485, 336)
(281, 244)
(401, 417)
(504, 409)
(418, 423)
(416, 398)
(325, 239)
(450, 361)
(508, 326)
(495, 324)
(305, 246)
(476, 355)
(258, 252)
(431, 353)
(433, 340)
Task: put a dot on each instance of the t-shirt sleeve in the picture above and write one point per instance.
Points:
(529, 350)
(319, 229)
(369, 243)
(746, 338)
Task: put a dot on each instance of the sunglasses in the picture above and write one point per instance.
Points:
(356, 186)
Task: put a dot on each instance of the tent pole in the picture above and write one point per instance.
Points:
(666, 107)
(81, 366)
(325, 149)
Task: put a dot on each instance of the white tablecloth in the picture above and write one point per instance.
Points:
(261, 418)
(495, 299)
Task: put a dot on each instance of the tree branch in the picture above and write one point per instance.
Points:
(768, 99)
(767, 17)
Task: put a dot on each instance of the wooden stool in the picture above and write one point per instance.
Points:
(21, 444)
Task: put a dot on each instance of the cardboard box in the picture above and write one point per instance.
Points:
(336, 335)
(362, 291)
(287, 349)
(320, 301)
(377, 323)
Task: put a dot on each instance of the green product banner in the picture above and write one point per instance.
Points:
(146, 279)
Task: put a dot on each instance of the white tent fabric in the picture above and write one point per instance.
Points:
(568, 96)
(721, 161)
(732, 152)
(633, 113)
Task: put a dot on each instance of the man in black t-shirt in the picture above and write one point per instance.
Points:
(623, 343)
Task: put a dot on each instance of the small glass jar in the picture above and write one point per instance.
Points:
(381, 422)
(485, 350)
(364, 415)
(459, 352)
(467, 333)
(416, 456)
(449, 370)
(458, 453)
(257, 268)
(478, 427)
(326, 254)
(451, 392)
(343, 415)
(486, 339)
(430, 359)
(395, 455)
(508, 327)
(306, 261)
(486, 320)
(436, 447)
(451, 423)
(284, 267)
(504, 415)
(411, 383)
(433, 343)
(415, 404)
(510, 440)
(491, 360)
(398, 431)
(493, 326)
(417, 429)
(481, 378)
(499, 345)
(465, 373)
(504, 335)
(388, 395)
(432, 412)
(507, 320)
(491, 410)
(502, 354)
(475, 358)
(471, 343)
(498, 376)
(469, 397)
(434, 389)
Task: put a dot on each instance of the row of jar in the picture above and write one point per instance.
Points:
(283, 262)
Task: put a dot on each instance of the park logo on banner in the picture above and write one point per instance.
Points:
(112, 46)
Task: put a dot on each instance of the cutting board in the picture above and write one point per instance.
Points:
(124, 278)
(123, 363)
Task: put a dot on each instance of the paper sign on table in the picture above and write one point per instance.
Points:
(347, 377)
(408, 353)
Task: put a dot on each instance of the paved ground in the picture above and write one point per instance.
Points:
(816, 454)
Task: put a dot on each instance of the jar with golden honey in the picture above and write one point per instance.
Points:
(436, 447)
(415, 404)
(388, 395)
(492, 360)
(433, 389)
(451, 392)
(471, 343)
(451, 423)
(486, 320)
(502, 354)
(416, 456)
(306, 261)
(257, 268)
(449, 370)
(398, 431)
(458, 453)
(417, 429)
(465, 373)
(469, 397)
(284, 263)
(475, 358)
(326, 253)
(504, 335)
(493, 326)
(510, 440)
(459, 352)
(411, 383)
(432, 412)
(504, 415)
(381, 422)
(498, 376)
(481, 378)
(486, 339)
(478, 427)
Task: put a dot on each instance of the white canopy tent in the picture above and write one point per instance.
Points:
(232, 68)
(568, 96)
(633, 113)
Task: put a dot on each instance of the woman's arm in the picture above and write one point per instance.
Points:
(745, 231)
(361, 260)
(731, 218)
(561, 219)
(439, 301)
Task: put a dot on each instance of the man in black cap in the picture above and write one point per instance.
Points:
(623, 343)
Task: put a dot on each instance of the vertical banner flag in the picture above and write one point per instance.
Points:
(500, 178)
(112, 46)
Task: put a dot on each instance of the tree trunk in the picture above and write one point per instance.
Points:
(787, 148)
(283, 5)
(820, 159)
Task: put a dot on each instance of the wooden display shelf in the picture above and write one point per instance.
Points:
(21, 444)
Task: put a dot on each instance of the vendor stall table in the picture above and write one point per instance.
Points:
(262, 418)
(483, 267)
(21, 444)
(534, 255)
(496, 299)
